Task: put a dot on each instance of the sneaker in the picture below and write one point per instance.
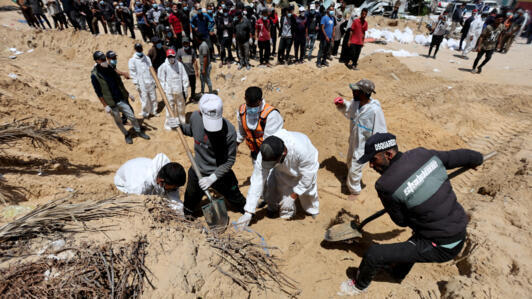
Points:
(143, 135)
(240, 67)
(129, 140)
(349, 288)
(325, 63)
(272, 214)
(124, 119)
(318, 65)
(479, 70)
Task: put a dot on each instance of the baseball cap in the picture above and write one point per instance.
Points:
(312, 6)
(271, 150)
(111, 54)
(377, 143)
(211, 108)
(302, 8)
(170, 52)
(364, 85)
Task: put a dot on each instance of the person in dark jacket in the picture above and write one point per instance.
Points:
(157, 52)
(113, 95)
(416, 192)
(287, 33)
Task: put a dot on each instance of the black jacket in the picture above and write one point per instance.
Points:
(416, 192)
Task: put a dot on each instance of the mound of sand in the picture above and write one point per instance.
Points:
(421, 109)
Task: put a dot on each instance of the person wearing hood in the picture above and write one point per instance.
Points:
(157, 176)
(113, 95)
(473, 33)
(174, 80)
(139, 69)
(366, 119)
(286, 170)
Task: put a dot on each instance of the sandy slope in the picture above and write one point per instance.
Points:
(443, 110)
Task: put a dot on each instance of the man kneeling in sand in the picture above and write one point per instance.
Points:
(152, 176)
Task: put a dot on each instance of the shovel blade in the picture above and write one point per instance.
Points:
(215, 214)
(343, 231)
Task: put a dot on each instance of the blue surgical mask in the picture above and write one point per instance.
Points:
(154, 5)
(185, 8)
(252, 110)
(331, 13)
(121, 4)
(209, 10)
(223, 5)
(139, 54)
(102, 2)
(312, 11)
(226, 14)
(187, 48)
(137, 3)
(169, 34)
(158, 45)
(265, 18)
(113, 62)
(289, 15)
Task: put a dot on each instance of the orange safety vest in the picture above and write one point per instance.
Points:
(254, 138)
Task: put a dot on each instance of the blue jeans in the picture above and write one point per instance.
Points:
(310, 45)
(206, 78)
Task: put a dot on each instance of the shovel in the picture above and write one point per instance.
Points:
(350, 230)
(215, 211)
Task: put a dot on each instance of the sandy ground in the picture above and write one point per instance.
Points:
(440, 110)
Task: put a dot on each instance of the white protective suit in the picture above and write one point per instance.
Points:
(139, 71)
(473, 34)
(174, 80)
(139, 176)
(297, 174)
(364, 122)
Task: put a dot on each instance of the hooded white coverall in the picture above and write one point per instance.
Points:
(139, 71)
(364, 122)
(174, 79)
(139, 176)
(298, 173)
(473, 34)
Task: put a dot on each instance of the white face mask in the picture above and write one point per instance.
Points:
(171, 60)
(104, 64)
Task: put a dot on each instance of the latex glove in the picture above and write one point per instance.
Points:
(250, 41)
(173, 122)
(244, 220)
(234, 42)
(108, 109)
(339, 101)
(132, 98)
(206, 182)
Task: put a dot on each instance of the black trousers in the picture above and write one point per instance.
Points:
(335, 47)
(462, 38)
(481, 53)
(436, 41)
(273, 35)
(192, 83)
(264, 51)
(323, 51)
(344, 56)
(402, 257)
(355, 54)
(145, 31)
(225, 52)
(299, 49)
(285, 44)
(226, 186)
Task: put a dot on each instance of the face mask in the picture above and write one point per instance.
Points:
(331, 13)
(338, 19)
(171, 60)
(158, 46)
(121, 4)
(102, 3)
(137, 3)
(186, 48)
(223, 6)
(220, 11)
(139, 54)
(209, 11)
(169, 34)
(265, 18)
(154, 6)
(185, 8)
(253, 110)
(235, 19)
(114, 62)
(289, 15)
(104, 64)
(312, 11)
(225, 14)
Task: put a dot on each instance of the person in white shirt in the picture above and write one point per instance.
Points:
(256, 120)
(366, 118)
(174, 80)
(139, 70)
(156, 176)
(286, 170)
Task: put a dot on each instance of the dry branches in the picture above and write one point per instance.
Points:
(246, 262)
(38, 131)
(61, 216)
(94, 272)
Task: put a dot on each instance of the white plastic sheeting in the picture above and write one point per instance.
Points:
(397, 53)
